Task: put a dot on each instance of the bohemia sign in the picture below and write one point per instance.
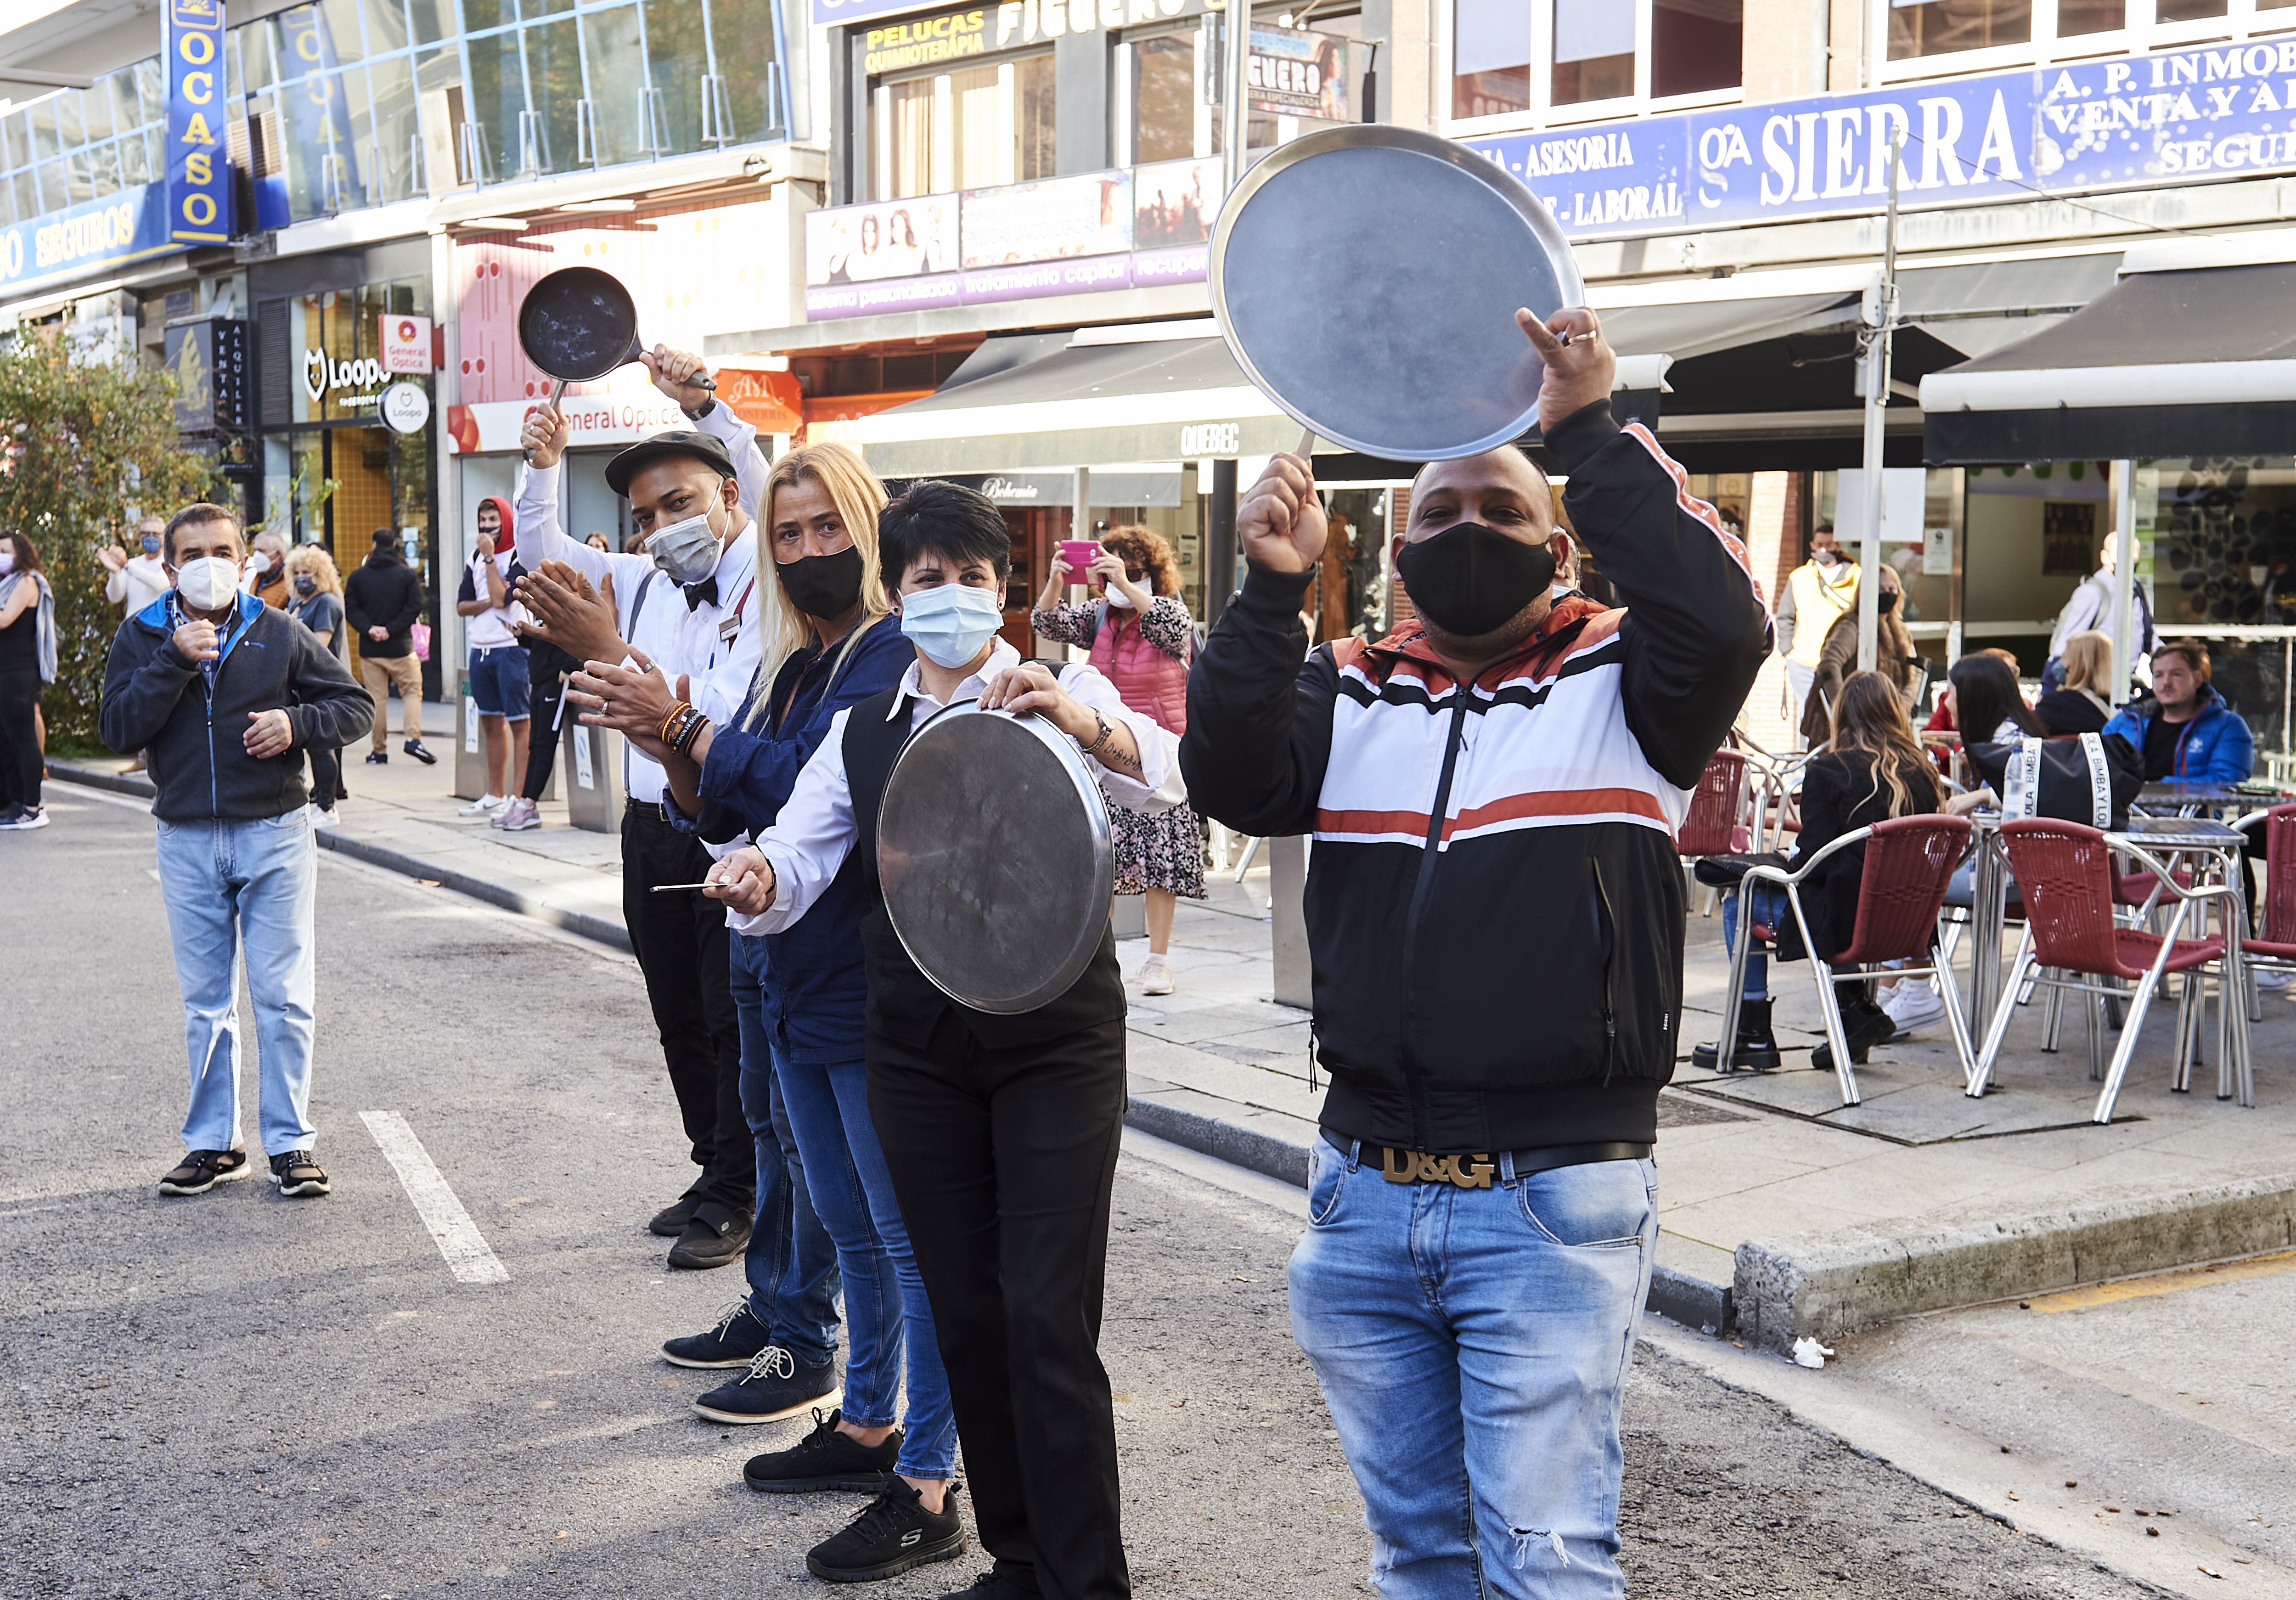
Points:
(199, 178)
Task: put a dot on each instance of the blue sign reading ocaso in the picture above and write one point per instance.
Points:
(199, 177)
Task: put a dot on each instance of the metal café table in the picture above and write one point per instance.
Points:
(2209, 799)
(2168, 839)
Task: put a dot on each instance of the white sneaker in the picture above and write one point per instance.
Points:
(2274, 976)
(1913, 1003)
(1156, 976)
(485, 805)
(327, 819)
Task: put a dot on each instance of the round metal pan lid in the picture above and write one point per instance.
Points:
(578, 324)
(994, 851)
(1366, 279)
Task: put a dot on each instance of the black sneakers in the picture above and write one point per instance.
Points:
(378, 757)
(823, 1459)
(776, 1385)
(203, 1169)
(716, 1237)
(671, 1220)
(893, 1535)
(295, 1175)
(991, 1585)
(734, 1342)
(413, 747)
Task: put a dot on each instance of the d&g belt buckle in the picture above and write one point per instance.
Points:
(1465, 1171)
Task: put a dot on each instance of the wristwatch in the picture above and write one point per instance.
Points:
(1094, 749)
(707, 407)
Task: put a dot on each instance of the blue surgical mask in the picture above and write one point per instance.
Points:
(951, 624)
(151, 544)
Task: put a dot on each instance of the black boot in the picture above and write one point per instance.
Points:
(1755, 1050)
(1864, 1025)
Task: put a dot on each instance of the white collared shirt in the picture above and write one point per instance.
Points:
(716, 645)
(497, 625)
(816, 830)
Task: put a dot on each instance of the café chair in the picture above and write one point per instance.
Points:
(2077, 944)
(1909, 861)
(2274, 947)
(1712, 827)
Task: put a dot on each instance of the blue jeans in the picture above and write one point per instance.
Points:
(244, 886)
(1770, 910)
(790, 1263)
(1473, 1346)
(828, 1107)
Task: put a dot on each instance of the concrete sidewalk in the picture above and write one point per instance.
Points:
(1782, 1211)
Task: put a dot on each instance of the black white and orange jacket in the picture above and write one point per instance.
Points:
(1494, 903)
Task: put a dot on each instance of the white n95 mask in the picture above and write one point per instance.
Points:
(208, 582)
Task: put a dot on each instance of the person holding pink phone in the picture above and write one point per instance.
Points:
(1137, 628)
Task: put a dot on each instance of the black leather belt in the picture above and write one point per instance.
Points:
(1476, 1172)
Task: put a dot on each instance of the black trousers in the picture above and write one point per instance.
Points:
(20, 737)
(1003, 1160)
(683, 948)
(543, 697)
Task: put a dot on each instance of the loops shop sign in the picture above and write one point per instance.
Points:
(354, 382)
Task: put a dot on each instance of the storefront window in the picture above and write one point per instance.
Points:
(2078, 17)
(981, 128)
(1696, 45)
(1165, 120)
(1490, 57)
(677, 70)
(2189, 11)
(1594, 50)
(1942, 27)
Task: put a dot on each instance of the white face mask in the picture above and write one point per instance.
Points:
(207, 583)
(687, 551)
(952, 623)
(7, 561)
(1116, 598)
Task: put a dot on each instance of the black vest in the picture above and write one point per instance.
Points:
(903, 1004)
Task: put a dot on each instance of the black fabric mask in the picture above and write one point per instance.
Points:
(822, 586)
(1886, 602)
(1470, 579)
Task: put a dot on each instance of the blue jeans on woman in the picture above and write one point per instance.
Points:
(790, 1263)
(886, 1310)
(1769, 908)
(1473, 1345)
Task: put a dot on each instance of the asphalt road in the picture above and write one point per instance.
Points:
(241, 1395)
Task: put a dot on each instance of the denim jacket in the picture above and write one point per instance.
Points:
(816, 993)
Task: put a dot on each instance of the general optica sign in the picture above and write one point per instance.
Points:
(199, 178)
(2194, 115)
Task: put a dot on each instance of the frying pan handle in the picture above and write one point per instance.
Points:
(700, 380)
(557, 392)
(1307, 443)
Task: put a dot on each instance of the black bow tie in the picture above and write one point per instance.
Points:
(696, 592)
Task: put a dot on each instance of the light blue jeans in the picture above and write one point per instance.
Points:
(251, 887)
(1473, 1345)
(886, 1311)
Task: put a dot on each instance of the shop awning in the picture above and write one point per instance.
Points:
(2162, 363)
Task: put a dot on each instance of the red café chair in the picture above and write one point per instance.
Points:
(1909, 864)
(2275, 945)
(1713, 827)
(2075, 943)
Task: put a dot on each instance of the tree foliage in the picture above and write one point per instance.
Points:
(90, 448)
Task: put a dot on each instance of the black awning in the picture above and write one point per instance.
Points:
(2163, 363)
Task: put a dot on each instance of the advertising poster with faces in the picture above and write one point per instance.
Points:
(1174, 202)
(896, 239)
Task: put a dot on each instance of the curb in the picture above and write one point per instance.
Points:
(1827, 1283)
(1276, 1145)
(597, 928)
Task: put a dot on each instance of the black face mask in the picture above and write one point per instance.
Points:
(1469, 579)
(822, 586)
(307, 586)
(1886, 602)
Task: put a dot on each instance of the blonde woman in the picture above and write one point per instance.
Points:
(829, 642)
(2082, 703)
(1136, 627)
(314, 598)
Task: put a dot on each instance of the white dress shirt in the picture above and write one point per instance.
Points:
(716, 645)
(815, 831)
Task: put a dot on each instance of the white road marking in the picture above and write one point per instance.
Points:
(466, 1250)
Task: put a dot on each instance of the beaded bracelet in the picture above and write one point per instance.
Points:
(669, 723)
